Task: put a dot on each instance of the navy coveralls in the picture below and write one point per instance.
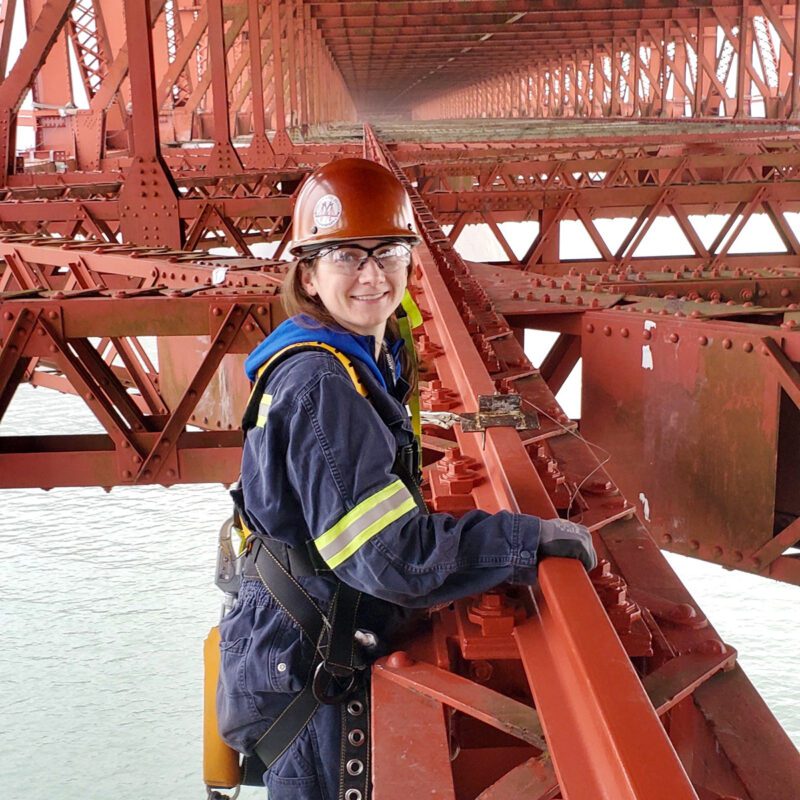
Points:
(317, 467)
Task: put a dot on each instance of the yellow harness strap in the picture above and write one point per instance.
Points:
(407, 323)
(343, 359)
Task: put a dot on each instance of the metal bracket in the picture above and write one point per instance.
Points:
(499, 411)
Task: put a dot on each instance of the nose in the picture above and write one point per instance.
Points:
(370, 271)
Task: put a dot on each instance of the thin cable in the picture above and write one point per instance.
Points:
(578, 435)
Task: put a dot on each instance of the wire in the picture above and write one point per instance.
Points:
(578, 435)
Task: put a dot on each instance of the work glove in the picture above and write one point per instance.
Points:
(565, 539)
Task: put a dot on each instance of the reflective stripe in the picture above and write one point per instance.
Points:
(263, 410)
(368, 518)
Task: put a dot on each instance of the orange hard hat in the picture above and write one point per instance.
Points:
(351, 199)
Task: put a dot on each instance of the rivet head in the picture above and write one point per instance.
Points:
(673, 337)
(702, 340)
(590, 328)
(624, 333)
(747, 347)
(694, 544)
(647, 335)
(606, 331)
(727, 344)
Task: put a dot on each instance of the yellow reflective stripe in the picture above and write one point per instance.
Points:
(368, 518)
(263, 410)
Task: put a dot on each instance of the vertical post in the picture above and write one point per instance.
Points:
(664, 81)
(148, 201)
(224, 159)
(636, 110)
(796, 64)
(700, 80)
(741, 65)
(281, 143)
(260, 154)
(290, 44)
(301, 42)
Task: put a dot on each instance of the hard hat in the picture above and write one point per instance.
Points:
(350, 199)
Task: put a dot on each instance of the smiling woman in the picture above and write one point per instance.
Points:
(341, 545)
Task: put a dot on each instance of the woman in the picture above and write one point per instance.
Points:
(329, 490)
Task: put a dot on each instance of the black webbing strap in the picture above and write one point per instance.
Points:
(340, 657)
(288, 593)
(287, 727)
(332, 637)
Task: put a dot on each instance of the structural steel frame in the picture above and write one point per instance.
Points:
(107, 221)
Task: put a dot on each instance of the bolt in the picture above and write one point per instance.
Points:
(399, 659)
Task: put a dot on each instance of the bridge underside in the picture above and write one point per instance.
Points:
(625, 178)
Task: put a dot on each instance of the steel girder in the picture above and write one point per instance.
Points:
(468, 349)
(70, 295)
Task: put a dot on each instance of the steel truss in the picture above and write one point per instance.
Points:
(75, 319)
(690, 422)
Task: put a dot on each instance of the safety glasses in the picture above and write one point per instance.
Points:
(349, 259)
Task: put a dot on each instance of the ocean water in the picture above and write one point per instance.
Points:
(108, 597)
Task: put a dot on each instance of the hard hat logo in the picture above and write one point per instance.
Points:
(327, 211)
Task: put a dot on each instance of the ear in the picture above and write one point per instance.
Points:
(307, 281)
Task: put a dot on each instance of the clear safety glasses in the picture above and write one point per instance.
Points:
(348, 259)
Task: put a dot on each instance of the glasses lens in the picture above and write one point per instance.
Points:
(393, 257)
(344, 259)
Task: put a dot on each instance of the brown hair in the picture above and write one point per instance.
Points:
(296, 300)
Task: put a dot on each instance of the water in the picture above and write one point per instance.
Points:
(108, 598)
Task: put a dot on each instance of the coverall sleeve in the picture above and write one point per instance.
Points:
(364, 521)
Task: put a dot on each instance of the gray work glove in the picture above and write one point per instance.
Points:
(559, 537)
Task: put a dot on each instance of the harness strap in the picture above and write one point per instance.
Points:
(332, 637)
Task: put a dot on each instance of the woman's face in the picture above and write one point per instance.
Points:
(360, 299)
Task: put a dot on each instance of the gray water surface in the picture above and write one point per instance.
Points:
(108, 598)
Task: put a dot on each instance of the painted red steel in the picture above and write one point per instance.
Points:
(614, 685)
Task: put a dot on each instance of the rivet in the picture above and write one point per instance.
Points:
(727, 344)
(716, 551)
(694, 544)
(702, 340)
(590, 328)
(673, 337)
(606, 331)
(747, 347)
(666, 538)
(647, 335)
(624, 333)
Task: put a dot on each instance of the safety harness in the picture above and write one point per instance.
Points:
(337, 666)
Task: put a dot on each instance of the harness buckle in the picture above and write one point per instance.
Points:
(326, 675)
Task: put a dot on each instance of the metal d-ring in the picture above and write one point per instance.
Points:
(320, 689)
